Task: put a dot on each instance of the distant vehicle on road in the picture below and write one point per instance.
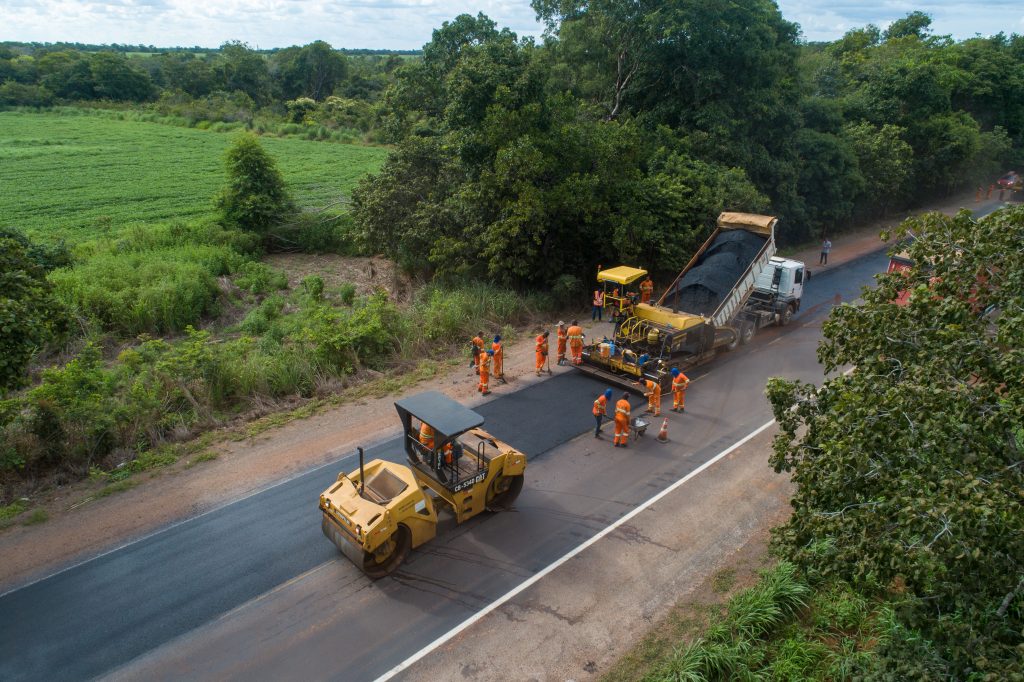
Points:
(1011, 180)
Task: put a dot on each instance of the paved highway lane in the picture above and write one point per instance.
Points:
(96, 616)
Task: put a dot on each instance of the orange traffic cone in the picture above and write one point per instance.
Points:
(663, 434)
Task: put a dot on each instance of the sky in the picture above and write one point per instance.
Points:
(407, 24)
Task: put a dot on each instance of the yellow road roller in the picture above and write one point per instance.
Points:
(378, 513)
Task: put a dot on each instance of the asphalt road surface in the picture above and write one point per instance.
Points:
(170, 587)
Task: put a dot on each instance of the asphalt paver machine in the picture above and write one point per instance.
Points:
(377, 514)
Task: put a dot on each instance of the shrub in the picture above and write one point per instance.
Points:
(260, 319)
(30, 316)
(255, 198)
(453, 314)
(347, 293)
(158, 291)
(72, 412)
(313, 287)
(259, 278)
(314, 232)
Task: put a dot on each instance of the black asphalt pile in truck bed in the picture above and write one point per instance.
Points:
(708, 282)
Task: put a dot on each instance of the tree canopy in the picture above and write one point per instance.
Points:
(255, 198)
(910, 469)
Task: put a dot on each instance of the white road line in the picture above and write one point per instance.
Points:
(454, 632)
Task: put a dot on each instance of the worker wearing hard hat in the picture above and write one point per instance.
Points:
(563, 336)
(653, 393)
(499, 359)
(575, 333)
(646, 290)
(541, 350)
(679, 383)
(622, 422)
(477, 345)
(601, 410)
(485, 371)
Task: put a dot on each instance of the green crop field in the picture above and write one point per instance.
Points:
(75, 176)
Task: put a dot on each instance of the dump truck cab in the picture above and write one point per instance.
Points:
(380, 512)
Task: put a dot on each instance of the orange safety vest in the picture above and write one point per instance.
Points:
(653, 386)
(542, 344)
(680, 382)
(427, 436)
(575, 333)
(622, 407)
(598, 298)
(647, 288)
(601, 405)
(485, 364)
(496, 347)
(562, 334)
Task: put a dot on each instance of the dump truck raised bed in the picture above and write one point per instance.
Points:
(733, 286)
(380, 512)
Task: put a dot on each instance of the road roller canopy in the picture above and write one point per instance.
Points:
(623, 275)
(447, 417)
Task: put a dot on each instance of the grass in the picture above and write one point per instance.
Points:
(207, 456)
(781, 628)
(36, 517)
(77, 175)
(9, 511)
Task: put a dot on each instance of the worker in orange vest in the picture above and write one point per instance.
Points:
(427, 436)
(679, 383)
(653, 394)
(622, 421)
(598, 308)
(563, 335)
(575, 333)
(499, 359)
(478, 347)
(646, 290)
(485, 371)
(601, 410)
(542, 350)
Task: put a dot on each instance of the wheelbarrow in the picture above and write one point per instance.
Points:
(638, 426)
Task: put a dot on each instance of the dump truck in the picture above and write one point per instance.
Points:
(730, 288)
(378, 513)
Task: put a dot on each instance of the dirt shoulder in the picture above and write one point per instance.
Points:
(84, 522)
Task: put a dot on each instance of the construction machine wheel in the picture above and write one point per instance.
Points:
(386, 559)
(786, 316)
(734, 343)
(746, 332)
(503, 491)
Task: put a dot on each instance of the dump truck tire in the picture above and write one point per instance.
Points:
(786, 316)
(503, 491)
(746, 332)
(386, 559)
(734, 344)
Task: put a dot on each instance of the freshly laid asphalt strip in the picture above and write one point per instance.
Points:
(100, 614)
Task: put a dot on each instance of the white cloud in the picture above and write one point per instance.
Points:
(405, 24)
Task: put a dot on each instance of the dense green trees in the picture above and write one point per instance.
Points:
(908, 470)
(499, 175)
(829, 133)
